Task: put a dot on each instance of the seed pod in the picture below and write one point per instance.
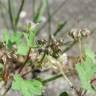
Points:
(72, 31)
(85, 32)
(41, 42)
(79, 33)
(74, 34)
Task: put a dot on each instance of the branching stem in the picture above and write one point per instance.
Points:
(26, 60)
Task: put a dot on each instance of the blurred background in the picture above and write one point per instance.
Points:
(76, 12)
(67, 13)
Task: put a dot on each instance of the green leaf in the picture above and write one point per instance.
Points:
(22, 49)
(27, 87)
(10, 40)
(6, 37)
(85, 74)
(87, 70)
(1, 66)
(16, 37)
(89, 53)
(30, 38)
(9, 44)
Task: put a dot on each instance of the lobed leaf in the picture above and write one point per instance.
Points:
(22, 49)
(27, 87)
(87, 70)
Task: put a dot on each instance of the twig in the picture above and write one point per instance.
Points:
(33, 8)
(26, 60)
(26, 73)
(49, 17)
(66, 78)
(61, 69)
(80, 48)
(70, 46)
(60, 28)
(52, 78)
(42, 58)
(84, 93)
(4, 94)
(37, 13)
(55, 11)
(18, 14)
(10, 14)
